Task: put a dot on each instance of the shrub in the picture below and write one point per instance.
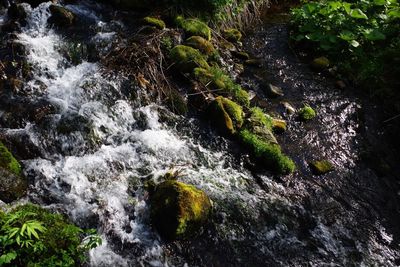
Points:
(32, 236)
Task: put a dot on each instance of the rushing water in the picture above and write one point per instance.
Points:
(98, 146)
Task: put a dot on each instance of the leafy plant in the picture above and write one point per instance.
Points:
(32, 236)
(357, 34)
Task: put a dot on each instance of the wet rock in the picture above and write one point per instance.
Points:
(11, 26)
(273, 91)
(194, 27)
(226, 114)
(12, 186)
(35, 3)
(178, 210)
(253, 62)
(17, 12)
(187, 58)
(232, 35)
(278, 125)
(288, 107)
(155, 22)
(201, 44)
(61, 16)
(240, 55)
(340, 84)
(307, 113)
(320, 63)
(320, 167)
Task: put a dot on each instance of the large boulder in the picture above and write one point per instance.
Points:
(178, 210)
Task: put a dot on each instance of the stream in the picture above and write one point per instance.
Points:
(89, 146)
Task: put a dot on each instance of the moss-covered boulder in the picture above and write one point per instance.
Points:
(226, 114)
(8, 162)
(218, 79)
(269, 154)
(186, 58)
(12, 184)
(307, 113)
(232, 35)
(201, 44)
(178, 210)
(260, 124)
(194, 27)
(320, 167)
(154, 22)
(61, 16)
(320, 63)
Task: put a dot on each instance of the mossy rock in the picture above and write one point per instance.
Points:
(12, 186)
(253, 62)
(232, 35)
(320, 63)
(8, 162)
(268, 154)
(307, 113)
(155, 22)
(201, 44)
(217, 78)
(279, 126)
(194, 27)
(61, 16)
(178, 210)
(257, 117)
(226, 114)
(320, 167)
(187, 58)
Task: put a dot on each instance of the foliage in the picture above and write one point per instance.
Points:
(32, 236)
(270, 154)
(8, 161)
(361, 36)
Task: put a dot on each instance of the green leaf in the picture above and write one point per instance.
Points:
(347, 35)
(379, 2)
(8, 257)
(394, 13)
(374, 35)
(347, 7)
(354, 43)
(358, 14)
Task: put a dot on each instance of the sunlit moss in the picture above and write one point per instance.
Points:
(158, 23)
(8, 162)
(307, 113)
(186, 58)
(194, 27)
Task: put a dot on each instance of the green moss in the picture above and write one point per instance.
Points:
(241, 55)
(227, 114)
(307, 113)
(201, 44)
(259, 118)
(320, 167)
(278, 126)
(320, 63)
(187, 58)
(8, 162)
(178, 210)
(194, 27)
(217, 78)
(270, 154)
(158, 23)
(232, 35)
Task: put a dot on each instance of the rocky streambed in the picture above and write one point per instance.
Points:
(91, 142)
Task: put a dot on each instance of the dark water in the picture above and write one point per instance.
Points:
(92, 151)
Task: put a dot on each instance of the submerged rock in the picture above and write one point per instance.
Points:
(155, 22)
(274, 91)
(186, 58)
(307, 113)
(320, 63)
(320, 167)
(178, 210)
(61, 16)
(288, 107)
